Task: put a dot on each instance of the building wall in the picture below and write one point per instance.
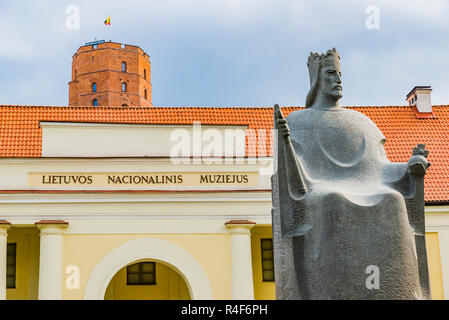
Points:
(211, 251)
(437, 242)
(101, 221)
(132, 140)
(434, 264)
(27, 263)
(262, 290)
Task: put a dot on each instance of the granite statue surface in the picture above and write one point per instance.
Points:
(347, 222)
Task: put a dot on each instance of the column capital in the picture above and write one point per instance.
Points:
(52, 227)
(240, 226)
(4, 226)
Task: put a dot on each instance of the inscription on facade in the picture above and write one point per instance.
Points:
(141, 180)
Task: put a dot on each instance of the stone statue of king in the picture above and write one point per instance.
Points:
(347, 222)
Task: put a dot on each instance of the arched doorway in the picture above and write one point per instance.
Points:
(147, 280)
(162, 251)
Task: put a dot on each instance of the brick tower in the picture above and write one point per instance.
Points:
(110, 74)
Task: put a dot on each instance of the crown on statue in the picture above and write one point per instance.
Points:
(316, 61)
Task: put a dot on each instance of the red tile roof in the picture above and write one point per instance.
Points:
(21, 135)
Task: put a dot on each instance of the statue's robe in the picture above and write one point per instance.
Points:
(360, 213)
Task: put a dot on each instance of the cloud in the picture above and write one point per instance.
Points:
(253, 52)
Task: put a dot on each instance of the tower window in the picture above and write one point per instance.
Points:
(94, 46)
(94, 87)
(145, 74)
(142, 273)
(124, 87)
(123, 66)
(95, 102)
(11, 254)
(145, 94)
(267, 259)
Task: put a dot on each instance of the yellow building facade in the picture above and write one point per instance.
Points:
(76, 240)
(80, 234)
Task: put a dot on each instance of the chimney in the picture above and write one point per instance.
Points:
(419, 99)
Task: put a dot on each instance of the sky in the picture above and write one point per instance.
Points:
(231, 52)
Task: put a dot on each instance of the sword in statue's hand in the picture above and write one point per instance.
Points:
(293, 167)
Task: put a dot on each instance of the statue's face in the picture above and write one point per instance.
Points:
(331, 81)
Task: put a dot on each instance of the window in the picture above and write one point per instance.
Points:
(123, 66)
(94, 46)
(142, 273)
(94, 87)
(11, 265)
(123, 86)
(145, 74)
(95, 102)
(267, 259)
(124, 105)
(145, 94)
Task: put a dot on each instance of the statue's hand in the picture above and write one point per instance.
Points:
(283, 129)
(281, 123)
(418, 163)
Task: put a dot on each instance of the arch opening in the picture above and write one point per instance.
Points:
(147, 279)
(163, 252)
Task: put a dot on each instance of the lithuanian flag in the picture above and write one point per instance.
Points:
(108, 21)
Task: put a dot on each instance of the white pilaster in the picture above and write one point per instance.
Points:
(4, 226)
(50, 260)
(242, 287)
